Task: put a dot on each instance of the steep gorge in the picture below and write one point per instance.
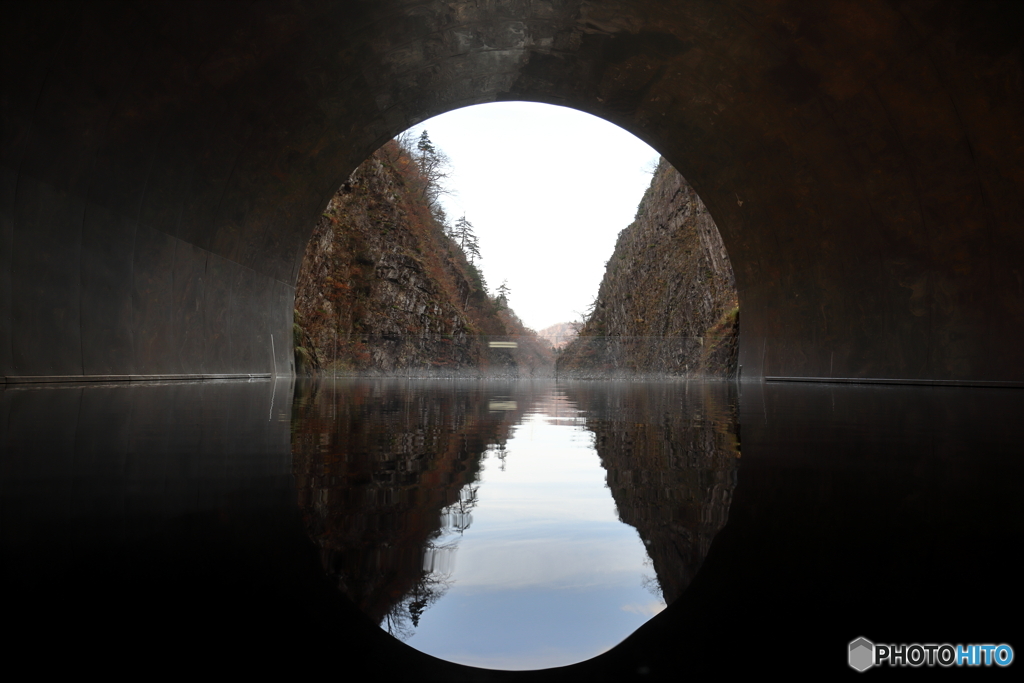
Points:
(383, 289)
(668, 302)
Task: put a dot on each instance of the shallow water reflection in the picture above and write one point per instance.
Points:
(513, 525)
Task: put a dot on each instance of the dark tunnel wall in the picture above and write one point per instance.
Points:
(162, 164)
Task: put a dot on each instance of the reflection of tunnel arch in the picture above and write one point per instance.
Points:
(162, 164)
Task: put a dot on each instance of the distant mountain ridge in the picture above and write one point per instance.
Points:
(559, 335)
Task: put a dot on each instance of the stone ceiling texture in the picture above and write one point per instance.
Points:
(163, 163)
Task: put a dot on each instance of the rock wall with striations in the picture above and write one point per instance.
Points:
(382, 289)
(668, 302)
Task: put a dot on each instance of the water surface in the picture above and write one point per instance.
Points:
(512, 525)
(258, 523)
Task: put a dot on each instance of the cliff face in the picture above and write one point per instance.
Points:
(383, 289)
(668, 300)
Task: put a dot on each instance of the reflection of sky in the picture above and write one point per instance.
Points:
(546, 575)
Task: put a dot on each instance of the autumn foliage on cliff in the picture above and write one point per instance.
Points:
(384, 289)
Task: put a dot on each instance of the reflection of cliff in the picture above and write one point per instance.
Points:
(672, 462)
(382, 468)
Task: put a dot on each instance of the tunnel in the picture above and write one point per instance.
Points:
(163, 165)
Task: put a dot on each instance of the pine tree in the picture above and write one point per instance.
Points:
(465, 237)
(435, 167)
(503, 291)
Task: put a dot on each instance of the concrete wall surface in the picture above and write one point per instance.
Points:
(162, 164)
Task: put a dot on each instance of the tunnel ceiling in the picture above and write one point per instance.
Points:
(163, 164)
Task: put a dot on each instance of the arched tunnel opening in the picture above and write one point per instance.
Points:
(162, 166)
(516, 239)
(159, 194)
(431, 542)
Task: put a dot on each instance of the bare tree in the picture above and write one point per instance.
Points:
(405, 142)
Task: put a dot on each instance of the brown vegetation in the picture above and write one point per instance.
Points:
(384, 288)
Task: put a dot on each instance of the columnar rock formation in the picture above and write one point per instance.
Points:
(668, 301)
(382, 289)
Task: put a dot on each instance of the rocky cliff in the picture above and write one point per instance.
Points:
(667, 303)
(383, 289)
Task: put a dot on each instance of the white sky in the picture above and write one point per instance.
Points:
(547, 190)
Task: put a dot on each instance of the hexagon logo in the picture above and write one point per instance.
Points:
(862, 654)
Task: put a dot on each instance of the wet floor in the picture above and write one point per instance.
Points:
(508, 525)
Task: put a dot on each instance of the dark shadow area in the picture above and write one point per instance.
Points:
(162, 521)
(162, 165)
